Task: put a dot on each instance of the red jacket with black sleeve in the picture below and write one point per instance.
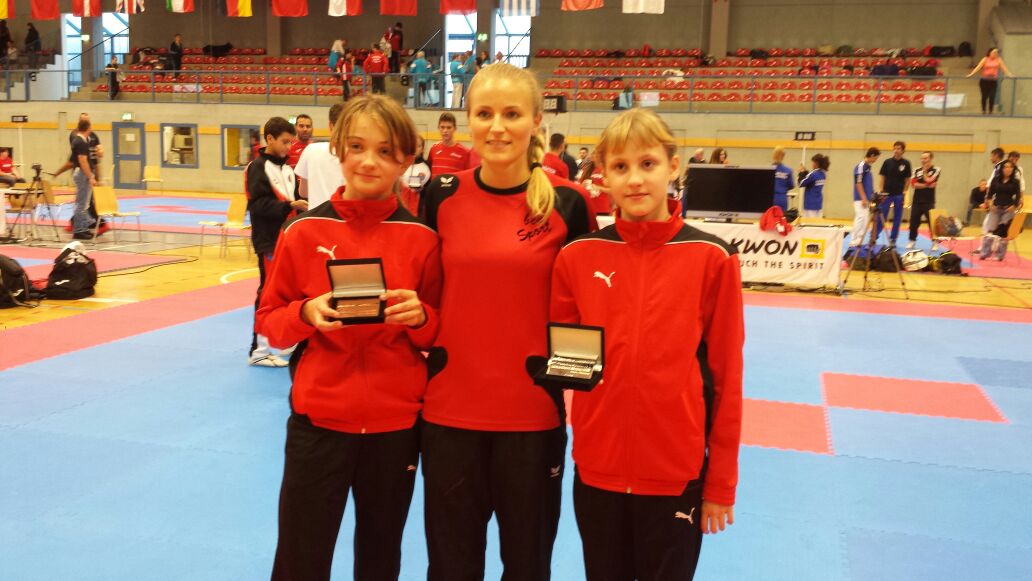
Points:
(362, 378)
(497, 263)
(669, 297)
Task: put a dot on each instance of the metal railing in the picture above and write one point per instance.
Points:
(943, 96)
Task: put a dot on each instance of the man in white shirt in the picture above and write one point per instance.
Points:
(318, 171)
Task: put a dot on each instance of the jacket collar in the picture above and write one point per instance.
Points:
(651, 234)
(363, 211)
(273, 158)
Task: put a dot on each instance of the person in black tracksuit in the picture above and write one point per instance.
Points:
(271, 199)
(926, 178)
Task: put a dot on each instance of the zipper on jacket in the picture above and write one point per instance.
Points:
(638, 258)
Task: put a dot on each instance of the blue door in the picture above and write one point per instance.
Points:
(130, 155)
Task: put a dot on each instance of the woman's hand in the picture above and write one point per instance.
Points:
(406, 310)
(715, 517)
(318, 313)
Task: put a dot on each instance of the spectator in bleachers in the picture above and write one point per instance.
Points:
(33, 46)
(376, 65)
(813, 186)
(10, 55)
(499, 58)
(175, 55)
(990, 65)
(336, 53)
(783, 181)
(395, 38)
(114, 77)
(719, 156)
(346, 69)
(457, 78)
(483, 59)
(5, 37)
(420, 69)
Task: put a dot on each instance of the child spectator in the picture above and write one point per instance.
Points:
(271, 199)
(655, 445)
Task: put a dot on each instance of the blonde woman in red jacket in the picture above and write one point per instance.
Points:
(357, 389)
(656, 443)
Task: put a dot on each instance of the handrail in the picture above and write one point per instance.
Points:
(733, 94)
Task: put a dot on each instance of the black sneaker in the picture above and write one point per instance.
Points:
(83, 235)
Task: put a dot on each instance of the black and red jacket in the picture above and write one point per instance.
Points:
(270, 186)
(497, 262)
(362, 378)
(669, 297)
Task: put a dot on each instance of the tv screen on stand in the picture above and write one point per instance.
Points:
(729, 192)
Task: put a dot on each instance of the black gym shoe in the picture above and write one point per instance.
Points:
(83, 235)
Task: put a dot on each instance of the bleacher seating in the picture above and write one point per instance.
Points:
(785, 75)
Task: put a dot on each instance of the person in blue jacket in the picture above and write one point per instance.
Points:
(813, 184)
(420, 69)
(783, 181)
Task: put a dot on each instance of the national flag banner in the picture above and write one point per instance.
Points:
(643, 6)
(290, 8)
(345, 7)
(6, 11)
(520, 7)
(575, 5)
(86, 8)
(180, 6)
(45, 10)
(129, 6)
(238, 8)
(398, 7)
(458, 6)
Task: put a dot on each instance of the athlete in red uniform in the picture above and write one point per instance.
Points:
(492, 441)
(656, 443)
(357, 389)
(448, 155)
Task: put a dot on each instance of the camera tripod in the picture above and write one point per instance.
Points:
(869, 240)
(33, 199)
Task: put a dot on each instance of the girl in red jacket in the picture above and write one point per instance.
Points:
(656, 443)
(493, 442)
(357, 389)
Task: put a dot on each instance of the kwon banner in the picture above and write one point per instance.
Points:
(807, 257)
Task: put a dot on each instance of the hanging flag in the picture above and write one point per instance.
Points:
(181, 6)
(642, 6)
(45, 10)
(398, 7)
(458, 6)
(238, 8)
(573, 5)
(6, 11)
(345, 7)
(87, 8)
(520, 7)
(129, 6)
(290, 8)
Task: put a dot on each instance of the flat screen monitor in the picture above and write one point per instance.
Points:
(719, 191)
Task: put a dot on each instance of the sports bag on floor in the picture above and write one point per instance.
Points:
(15, 288)
(74, 276)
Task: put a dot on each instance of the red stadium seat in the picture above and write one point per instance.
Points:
(788, 85)
(769, 97)
(824, 85)
(703, 84)
(805, 97)
(902, 98)
(805, 85)
(736, 85)
(714, 97)
(844, 98)
(788, 98)
(742, 52)
(825, 98)
(699, 96)
(938, 86)
(862, 98)
(718, 85)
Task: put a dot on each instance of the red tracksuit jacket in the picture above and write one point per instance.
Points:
(362, 378)
(669, 297)
(494, 306)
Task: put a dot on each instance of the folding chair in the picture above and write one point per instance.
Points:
(152, 173)
(235, 216)
(107, 207)
(942, 238)
(1014, 231)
